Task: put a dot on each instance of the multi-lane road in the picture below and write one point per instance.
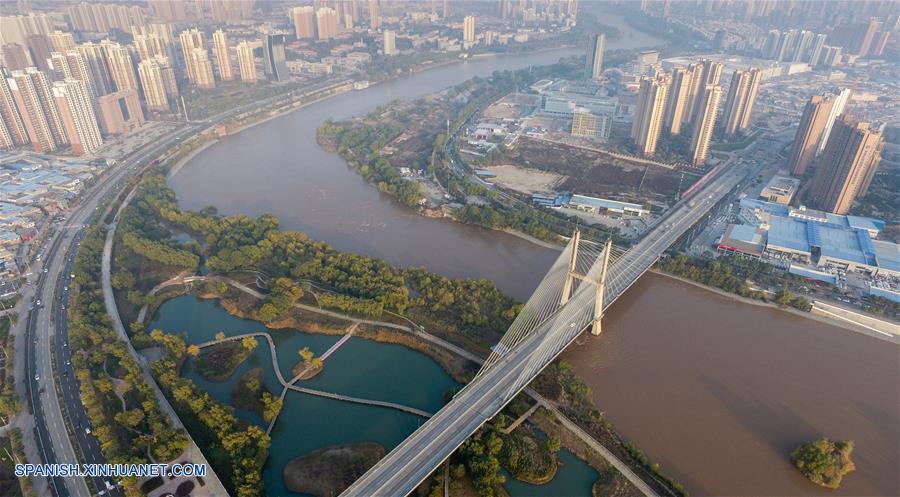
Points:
(415, 458)
(48, 364)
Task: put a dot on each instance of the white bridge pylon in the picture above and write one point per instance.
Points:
(582, 267)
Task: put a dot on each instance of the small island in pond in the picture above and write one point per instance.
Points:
(330, 470)
(824, 461)
(218, 362)
(309, 365)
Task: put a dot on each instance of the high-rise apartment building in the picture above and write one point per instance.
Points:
(304, 21)
(840, 104)
(649, 113)
(168, 10)
(95, 60)
(711, 76)
(374, 18)
(741, 97)
(227, 10)
(161, 30)
(831, 56)
(809, 133)
(11, 125)
(816, 50)
(76, 110)
(191, 40)
(246, 62)
(31, 93)
(705, 124)
(863, 37)
(694, 91)
(61, 41)
(150, 45)
(157, 80)
(390, 42)
(326, 23)
(273, 57)
(101, 17)
(39, 47)
(677, 103)
(121, 68)
(847, 166)
(223, 56)
(469, 29)
(71, 65)
(198, 58)
(14, 56)
(15, 29)
(593, 64)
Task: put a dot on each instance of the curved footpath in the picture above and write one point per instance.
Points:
(319, 393)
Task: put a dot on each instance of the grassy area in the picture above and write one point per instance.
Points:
(330, 470)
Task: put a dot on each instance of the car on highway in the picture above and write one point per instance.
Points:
(37, 377)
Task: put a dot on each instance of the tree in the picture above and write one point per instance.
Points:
(253, 384)
(271, 406)
(249, 343)
(123, 279)
(317, 363)
(784, 297)
(193, 350)
(306, 354)
(553, 444)
(824, 461)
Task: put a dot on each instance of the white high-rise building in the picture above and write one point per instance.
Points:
(649, 113)
(157, 79)
(223, 59)
(705, 124)
(246, 62)
(192, 40)
(469, 29)
(390, 42)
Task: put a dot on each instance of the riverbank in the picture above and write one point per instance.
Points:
(840, 323)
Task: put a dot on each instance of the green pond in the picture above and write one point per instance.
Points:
(359, 368)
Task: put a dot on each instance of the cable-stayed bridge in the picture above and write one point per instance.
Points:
(585, 280)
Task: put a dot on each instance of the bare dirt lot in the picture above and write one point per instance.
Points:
(526, 180)
(590, 173)
(511, 106)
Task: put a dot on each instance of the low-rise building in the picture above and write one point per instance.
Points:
(780, 190)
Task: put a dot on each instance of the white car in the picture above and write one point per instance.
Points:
(87, 430)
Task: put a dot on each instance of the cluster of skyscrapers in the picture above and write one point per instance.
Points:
(797, 46)
(689, 98)
(322, 22)
(845, 152)
(47, 77)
